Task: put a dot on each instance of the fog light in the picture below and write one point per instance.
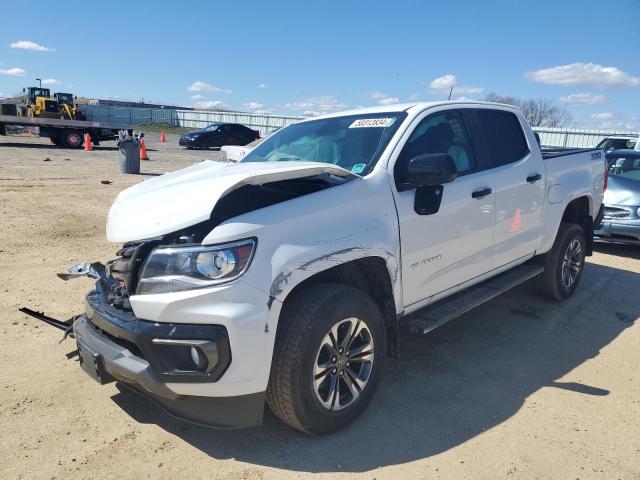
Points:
(197, 358)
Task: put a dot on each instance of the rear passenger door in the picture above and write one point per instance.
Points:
(519, 176)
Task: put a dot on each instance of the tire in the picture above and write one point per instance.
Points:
(72, 139)
(303, 343)
(563, 264)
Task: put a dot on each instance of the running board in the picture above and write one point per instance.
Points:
(447, 309)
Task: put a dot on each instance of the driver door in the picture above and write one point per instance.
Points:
(453, 244)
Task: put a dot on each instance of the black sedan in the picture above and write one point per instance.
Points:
(218, 134)
(621, 222)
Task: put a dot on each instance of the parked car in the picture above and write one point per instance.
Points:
(621, 222)
(219, 134)
(285, 277)
(618, 142)
(233, 153)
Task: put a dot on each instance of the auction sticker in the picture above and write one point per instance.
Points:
(372, 123)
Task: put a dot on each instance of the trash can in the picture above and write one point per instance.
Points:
(129, 156)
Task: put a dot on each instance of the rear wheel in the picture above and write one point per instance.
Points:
(564, 263)
(328, 358)
(71, 139)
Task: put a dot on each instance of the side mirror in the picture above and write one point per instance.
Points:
(428, 170)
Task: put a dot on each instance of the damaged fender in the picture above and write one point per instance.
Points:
(307, 235)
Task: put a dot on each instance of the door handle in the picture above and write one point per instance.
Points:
(534, 178)
(481, 193)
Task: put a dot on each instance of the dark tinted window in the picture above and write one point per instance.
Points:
(441, 133)
(503, 136)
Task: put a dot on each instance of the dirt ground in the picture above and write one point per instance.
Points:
(518, 388)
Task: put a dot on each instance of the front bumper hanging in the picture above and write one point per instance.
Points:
(115, 345)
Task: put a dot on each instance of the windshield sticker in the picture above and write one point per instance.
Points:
(372, 123)
(358, 168)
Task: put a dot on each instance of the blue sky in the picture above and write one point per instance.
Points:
(295, 57)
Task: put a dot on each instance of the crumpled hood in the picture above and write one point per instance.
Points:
(186, 197)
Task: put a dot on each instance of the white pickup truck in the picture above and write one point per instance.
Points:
(283, 279)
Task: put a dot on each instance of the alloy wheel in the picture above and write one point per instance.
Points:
(343, 364)
(571, 263)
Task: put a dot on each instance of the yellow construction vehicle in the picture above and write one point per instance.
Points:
(38, 103)
(68, 108)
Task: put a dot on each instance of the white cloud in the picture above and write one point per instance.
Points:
(601, 116)
(462, 98)
(263, 85)
(383, 98)
(254, 105)
(28, 45)
(443, 85)
(583, 99)
(323, 104)
(199, 86)
(211, 105)
(51, 81)
(612, 121)
(13, 72)
(197, 97)
(587, 74)
(262, 112)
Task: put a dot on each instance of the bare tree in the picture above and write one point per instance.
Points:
(539, 112)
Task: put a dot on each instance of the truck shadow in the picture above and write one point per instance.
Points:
(448, 387)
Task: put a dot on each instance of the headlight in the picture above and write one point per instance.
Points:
(173, 269)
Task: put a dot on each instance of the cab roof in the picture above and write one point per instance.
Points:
(413, 107)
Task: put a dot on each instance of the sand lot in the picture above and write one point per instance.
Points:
(519, 388)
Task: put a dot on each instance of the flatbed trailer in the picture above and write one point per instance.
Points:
(66, 133)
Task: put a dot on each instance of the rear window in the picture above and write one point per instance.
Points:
(625, 166)
(503, 136)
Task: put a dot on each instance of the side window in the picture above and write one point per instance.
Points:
(441, 133)
(503, 136)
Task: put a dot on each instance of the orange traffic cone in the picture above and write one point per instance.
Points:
(88, 145)
(143, 150)
(162, 136)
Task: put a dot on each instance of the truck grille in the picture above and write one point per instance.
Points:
(125, 269)
(616, 212)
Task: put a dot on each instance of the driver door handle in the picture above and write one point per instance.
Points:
(481, 193)
(534, 178)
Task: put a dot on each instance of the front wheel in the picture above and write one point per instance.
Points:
(328, 358)
(564, 263)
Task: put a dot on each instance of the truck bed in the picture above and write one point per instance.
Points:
(548, 154)
(60, 123)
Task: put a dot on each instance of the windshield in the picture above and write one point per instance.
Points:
(353, 142)
(41, 92)
(212, 127)
(65, 98)
(625, 166)
(609, 144)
